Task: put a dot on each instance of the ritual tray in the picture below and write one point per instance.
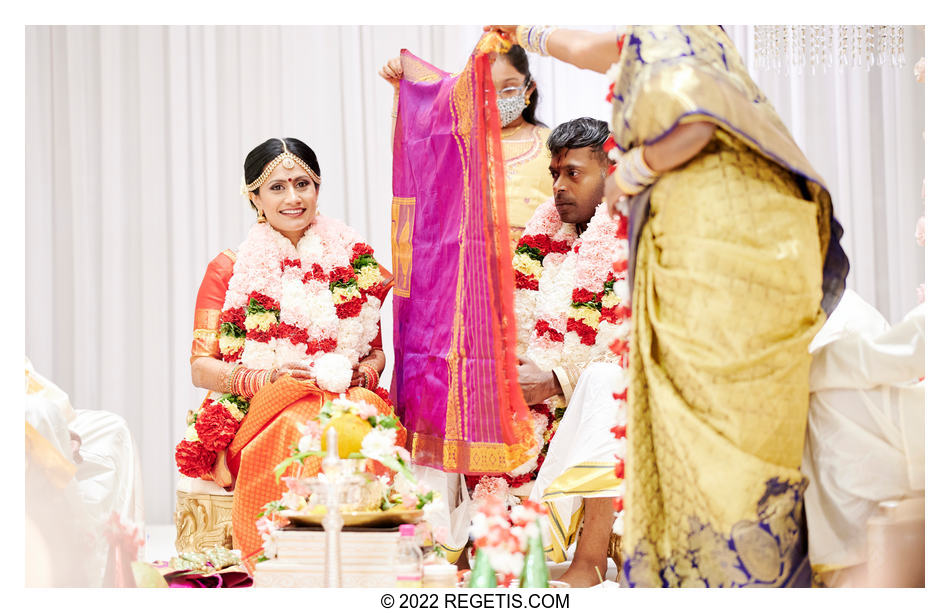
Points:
(376, 519)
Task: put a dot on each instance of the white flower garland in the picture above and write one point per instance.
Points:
(334, 325)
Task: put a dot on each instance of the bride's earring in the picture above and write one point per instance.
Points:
(260, 216)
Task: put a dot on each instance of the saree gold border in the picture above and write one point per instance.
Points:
(207, 319)
(453, 425)
(402, 244)
(487, 458)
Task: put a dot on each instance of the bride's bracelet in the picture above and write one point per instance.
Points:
(370, 376)
(247, 382)
(534, 38)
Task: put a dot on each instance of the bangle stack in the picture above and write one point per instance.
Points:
(634, 175)
(247, 382)
(229, 383)
(534, 38)
(370, 376)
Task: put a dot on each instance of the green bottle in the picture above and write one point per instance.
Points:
(482, 575)
(535, 571)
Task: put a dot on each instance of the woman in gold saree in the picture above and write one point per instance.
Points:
(736, 263)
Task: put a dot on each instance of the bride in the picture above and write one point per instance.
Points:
(288, 322)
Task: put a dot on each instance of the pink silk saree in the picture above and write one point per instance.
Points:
(455, 381)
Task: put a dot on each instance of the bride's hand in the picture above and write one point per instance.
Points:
(297, 370)
(392, 71)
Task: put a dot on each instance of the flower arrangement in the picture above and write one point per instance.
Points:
(362, 433)
(503, 535)
(210, 429)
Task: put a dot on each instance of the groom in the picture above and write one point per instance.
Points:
(579, 167)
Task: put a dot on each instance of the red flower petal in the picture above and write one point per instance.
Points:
(216, 427)
(193, 459)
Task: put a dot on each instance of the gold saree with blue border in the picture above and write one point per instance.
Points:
(734, 267)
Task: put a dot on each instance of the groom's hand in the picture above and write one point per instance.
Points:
(536, 385)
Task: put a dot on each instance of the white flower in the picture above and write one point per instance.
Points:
(506, 562)
(433, 510)
(613, 72)
(260, 355)
(233, 409)
(379, 443)
(294, 502)
(368, 276)
(618, 524)
(229, 344)
(191, 434)
(333, 372)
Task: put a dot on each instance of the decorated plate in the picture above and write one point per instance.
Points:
(369, 519)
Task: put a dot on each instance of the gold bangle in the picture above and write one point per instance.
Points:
(640, 164)
(521, 36)
(631, 189)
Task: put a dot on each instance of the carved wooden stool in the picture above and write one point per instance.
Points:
(202, 515)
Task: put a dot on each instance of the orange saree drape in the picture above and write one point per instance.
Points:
(269, 430)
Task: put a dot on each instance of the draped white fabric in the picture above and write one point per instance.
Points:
(136, 138)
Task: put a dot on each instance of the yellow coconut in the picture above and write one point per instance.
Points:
(350, 431)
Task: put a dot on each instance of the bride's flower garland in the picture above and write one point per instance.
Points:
(317, 303)
(566, 306)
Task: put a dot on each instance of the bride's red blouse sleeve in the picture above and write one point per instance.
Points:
(208, 306)
(388, 281)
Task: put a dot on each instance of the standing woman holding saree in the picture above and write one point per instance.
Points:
(523, 136)
(736, 264)
(284, 325)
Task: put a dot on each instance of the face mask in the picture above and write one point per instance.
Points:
(509, 109)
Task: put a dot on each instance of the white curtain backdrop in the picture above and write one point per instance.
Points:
(136, 138)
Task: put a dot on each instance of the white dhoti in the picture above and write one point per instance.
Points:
(865, 442)
(581, 457)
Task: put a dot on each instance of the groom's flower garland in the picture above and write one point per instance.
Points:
(566, 306)
(565, 302)
(318, 304)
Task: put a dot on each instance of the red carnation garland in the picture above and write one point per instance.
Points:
(523, 281)
(361, 249)
(194, 459)
(544, 328)
(288, 262)
(216, 427)
(587, 334)
(266, 302)
(315, 274)
(326, 345)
